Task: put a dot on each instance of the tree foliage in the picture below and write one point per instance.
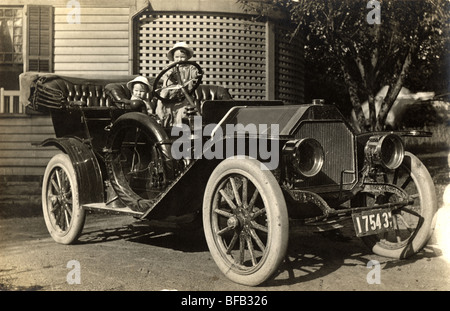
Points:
(364, 55)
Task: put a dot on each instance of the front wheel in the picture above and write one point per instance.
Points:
(63, 215)
(413, 223)
(245, 221)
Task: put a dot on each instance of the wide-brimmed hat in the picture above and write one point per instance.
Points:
(139, 79)
(180, 45)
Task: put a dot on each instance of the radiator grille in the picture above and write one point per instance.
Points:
(338, 145)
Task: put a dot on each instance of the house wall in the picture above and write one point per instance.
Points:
(99, 44)
(18, 155)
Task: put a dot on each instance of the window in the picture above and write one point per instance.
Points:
(26, 43)
(11, 26)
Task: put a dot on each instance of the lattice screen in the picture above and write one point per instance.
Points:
(289, 68)
(231, 51)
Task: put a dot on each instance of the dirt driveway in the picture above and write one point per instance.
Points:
(120, 253)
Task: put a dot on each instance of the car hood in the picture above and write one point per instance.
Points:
(287, 117)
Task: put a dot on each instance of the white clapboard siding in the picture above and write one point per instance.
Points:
(60, 51)
(99, 44)
(19, 135)
(96, 67)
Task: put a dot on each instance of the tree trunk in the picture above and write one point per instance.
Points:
(393, 91)
(352, 88)
(372, 111)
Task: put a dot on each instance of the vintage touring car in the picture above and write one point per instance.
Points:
(310, 171)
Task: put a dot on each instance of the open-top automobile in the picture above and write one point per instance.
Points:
(249, 171)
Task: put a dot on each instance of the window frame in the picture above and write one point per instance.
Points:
(13, 62)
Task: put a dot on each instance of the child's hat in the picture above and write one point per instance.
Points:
(139, 79)
(180, 45)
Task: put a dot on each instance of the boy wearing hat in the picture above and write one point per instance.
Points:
(140, 88)
(180, 52)
(172, 114)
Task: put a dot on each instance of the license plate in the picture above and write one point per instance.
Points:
(372, 222)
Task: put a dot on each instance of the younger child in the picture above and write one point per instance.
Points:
(140, 88)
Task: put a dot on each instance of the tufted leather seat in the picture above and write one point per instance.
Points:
(59, 92)
(209, 92)
(119, 91)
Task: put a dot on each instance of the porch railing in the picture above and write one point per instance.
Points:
(9, 102)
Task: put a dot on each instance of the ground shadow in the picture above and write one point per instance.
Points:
(315, 255)
(310, 256)
(426, 253)
(149, 233)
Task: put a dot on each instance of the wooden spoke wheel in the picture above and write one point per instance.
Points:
(63, 214)
(414, 223)
(245, 221)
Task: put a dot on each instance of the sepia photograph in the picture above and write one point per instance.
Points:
(221, 153)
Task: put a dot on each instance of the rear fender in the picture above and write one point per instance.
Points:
(87, 169)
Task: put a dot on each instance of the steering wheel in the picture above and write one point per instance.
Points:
(178, 90)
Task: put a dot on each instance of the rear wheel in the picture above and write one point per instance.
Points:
(413, 223)
(63, 214)
(245, 221)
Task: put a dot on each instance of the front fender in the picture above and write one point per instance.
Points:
(86, 166)
(153, 129)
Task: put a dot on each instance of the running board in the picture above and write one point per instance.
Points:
(111, 210)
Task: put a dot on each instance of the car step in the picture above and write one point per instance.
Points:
(111, 210)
